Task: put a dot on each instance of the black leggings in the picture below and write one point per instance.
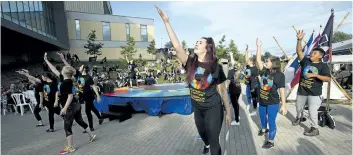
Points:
(234, 99)
(90, 107)
(254, 96)
(73, 113)
(36, 112)
(209, 125)
(52, 110)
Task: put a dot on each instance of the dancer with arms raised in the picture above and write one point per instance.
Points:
(206, 81)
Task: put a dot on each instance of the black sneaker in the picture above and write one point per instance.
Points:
(312, 132)
(297, 121)
(261, 133)
(101, 121)
(206, 150)
(50, 130)
(268, 145)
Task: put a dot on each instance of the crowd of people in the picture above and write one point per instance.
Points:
(265, 88)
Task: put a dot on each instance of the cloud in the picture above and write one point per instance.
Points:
(245, 21)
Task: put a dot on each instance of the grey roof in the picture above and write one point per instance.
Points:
(344, 45)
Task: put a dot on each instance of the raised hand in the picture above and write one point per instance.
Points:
(20, 72)
(300, 34)
(247, 47)
(258, 42)
(25, 70)
(45, 56)
(61, 55)
(162, 14)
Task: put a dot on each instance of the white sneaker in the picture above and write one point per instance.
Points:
(235, 123)
(253, 113)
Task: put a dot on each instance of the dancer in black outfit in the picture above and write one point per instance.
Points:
(71, 109)
(38, 94)
(207, 88)
(234, 89)
(90, 92)
(50, 89)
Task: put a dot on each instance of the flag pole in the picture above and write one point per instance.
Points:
(280, 48)
(339, 25)
(330, 66)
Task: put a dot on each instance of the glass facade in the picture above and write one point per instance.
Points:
(33, 15)
(144, 33)
(78, 29)
(127, 27)
(106, 31)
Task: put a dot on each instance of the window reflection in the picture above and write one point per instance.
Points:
(143, 32)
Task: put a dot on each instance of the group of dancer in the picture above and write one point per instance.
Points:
(62, 93)
(265, 85)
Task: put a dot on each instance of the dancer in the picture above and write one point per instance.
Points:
(252, 90)
(132, 73)
(270, 80)
(234, 88)
(89, 91)
(38, 93)
(71, 109)
(207, 88)
(314, 72)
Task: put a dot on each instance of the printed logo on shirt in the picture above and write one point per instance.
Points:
(46, 90)
(307, 82)
(196, 83)
(247, 73)
(266, 83)
(59, 85)
(81, 83)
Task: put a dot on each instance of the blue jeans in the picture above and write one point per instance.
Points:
(268, 113)
(248, 94)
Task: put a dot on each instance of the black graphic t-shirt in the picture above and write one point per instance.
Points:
(311, 86)
(84, 84)
(205, 95)
(66, 88)
(251, 74)
(38, 89)
(269, 84)
(49, 90)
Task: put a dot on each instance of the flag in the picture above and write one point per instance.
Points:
(326, 39)
(297, 69)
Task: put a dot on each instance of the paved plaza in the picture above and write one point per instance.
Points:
(174, 134)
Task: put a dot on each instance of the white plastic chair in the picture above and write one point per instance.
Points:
(20, 101)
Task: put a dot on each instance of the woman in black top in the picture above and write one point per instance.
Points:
(38, 93)
(71, 109)
(234, 87)
(270, 80)
(207, 88)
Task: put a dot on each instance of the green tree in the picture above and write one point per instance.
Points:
(129, 50)
(168, 45)
(151, 49)
(221, 49)
(341, 36)
(92, 47)
(183, 44)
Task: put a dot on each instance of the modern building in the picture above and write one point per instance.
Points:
(30, 28)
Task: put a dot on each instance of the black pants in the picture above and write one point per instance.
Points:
(90, 107)
(52, 110)
(234, 99)
(36, 112)
(73, 113)
(209, 125)
(254, 96)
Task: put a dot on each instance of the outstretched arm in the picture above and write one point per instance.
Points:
(180, 52)
(300, 36)
(52, 68)
(258, 54)
(63, 59)
(246, 54)
(30, 77)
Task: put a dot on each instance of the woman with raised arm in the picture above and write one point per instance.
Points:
(271, 79)
(252, 90)
(234, 88)
(71, 109)
(38, 93)
(206, 81)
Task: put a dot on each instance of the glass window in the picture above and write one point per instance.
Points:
(106, 30)
(21, 14)
(27, 14)
(127, 27)
(14, 13)
(36, 5)
(78, 29)
(33, 16)
(5, 6)
(42, 21)
(143, 32)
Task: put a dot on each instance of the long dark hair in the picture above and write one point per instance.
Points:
(210, 61)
